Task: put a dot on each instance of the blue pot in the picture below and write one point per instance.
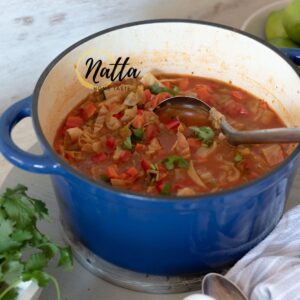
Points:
(158, 235)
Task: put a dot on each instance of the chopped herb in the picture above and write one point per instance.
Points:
(105, 178)
(166, 190)
(153, 173)
(138, 134)
(19, 235)
(156, 89)
(127, 145)
(238, 157)
(204, 133)
(175, 161)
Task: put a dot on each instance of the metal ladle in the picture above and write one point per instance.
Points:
(234, 136)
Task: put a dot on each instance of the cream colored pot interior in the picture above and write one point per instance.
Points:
(185, 48)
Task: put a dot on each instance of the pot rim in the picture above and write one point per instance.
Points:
(139, 196)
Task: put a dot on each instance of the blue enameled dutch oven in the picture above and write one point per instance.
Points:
(158, 235)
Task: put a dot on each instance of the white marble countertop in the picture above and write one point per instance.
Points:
(33, 32)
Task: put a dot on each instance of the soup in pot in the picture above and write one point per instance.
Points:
(114, 136)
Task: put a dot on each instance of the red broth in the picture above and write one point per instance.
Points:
(114, 136)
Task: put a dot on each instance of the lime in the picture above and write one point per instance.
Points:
(283, 43)
(291, 20)
(274, 27)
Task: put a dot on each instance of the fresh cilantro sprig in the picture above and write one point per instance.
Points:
(25, 251)
(204, 133)
(156, 89)
(175, 161)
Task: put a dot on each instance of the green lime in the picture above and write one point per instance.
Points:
(291, 20)
(283, 43)
(274, 27)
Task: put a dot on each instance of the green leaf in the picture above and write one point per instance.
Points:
(166, 190)
(49, 249)
(175, 161)
(41, 278)
(156, 89)
(138, 134)
(36, 261)
(12, 271)
(238, 157)
(40, 208)
(6, 229)
(20, 209)
(21, 235)
(127, 143)
(66, 258)
(204, 133)
(11, 295)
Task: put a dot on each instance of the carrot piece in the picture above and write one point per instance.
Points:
(132, 171)
(73, 121)
(167, 84)
(138, 121)
(139, 147)
(184, 84)
(147, 95)
(88, 110)
(112, 172)
(98, 157)
(194, 142)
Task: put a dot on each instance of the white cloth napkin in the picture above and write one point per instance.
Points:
(271, 270)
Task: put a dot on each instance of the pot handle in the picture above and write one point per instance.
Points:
(31, 162)
(293, 54)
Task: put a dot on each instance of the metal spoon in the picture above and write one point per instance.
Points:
(234, 136)
(221, 288)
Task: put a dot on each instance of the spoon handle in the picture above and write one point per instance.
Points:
(261, 136)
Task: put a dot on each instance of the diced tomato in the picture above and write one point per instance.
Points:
(125, 156)
(112, 172)
(145, 164)
(140, 112)
(237, 94)
(184, 84)
(161, 168)
(139, 147)
(159, 98)
(132, 171)
(173, 124)
(73, 121)
(203, 91)
(159, 186)
(88, 110)
(194, 142)
(138, 121)
(147, 95)
(167, 84)
(119, 115)
(151, 132)
(98, 157)
(110, 143)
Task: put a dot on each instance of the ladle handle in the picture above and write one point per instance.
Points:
(262, 136)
